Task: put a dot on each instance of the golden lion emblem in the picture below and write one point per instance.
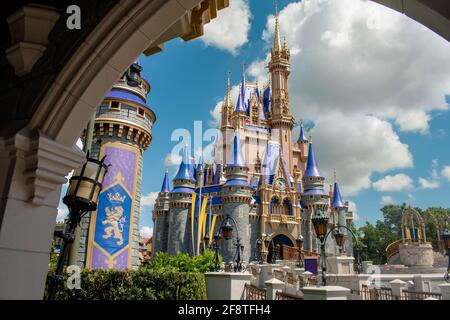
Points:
(115, 223)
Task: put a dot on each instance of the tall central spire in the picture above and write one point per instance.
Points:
(276, 36)
(228, 97)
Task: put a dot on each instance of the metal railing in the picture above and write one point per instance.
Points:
(419, 295)
(392, 249)
(254, 293)
(382, 293)
(286, 296)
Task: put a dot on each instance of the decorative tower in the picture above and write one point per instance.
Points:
(236, 197)
(281, 120)
(340, 208)
(314, 198)
(160, 217)
(239, 118)
(180, 199)
(226, 126)
(122, 133)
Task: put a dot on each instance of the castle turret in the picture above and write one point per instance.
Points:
(340, 208)
(122, 133)
(281, 119)
(180, 199)
(236, 197)
(314, 197)
(160, 217)
(239, 118)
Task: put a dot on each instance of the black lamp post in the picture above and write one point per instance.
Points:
(226, 228)
(320, 222)
(258, 248)
(81, 197)
(446, 238)
(215, 247)
(300, 240)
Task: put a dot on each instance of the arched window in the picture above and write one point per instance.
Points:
(274, 204)
(287, 207)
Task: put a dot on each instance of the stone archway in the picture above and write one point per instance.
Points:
(41, 153)
(37, 155)
(279, 239)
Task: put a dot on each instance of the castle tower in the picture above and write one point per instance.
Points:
(236, 196)
(180, 199)
(239, 118)
(281, 120)
(160, 217)
(314, 198)
(122, 133)
(226, 126)
(340, 208)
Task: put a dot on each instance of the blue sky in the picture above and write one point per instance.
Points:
(370, 84)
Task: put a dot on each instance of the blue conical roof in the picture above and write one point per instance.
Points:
(165, 185)
(240, 105)
(238, 158)
(186, 170)
(302, 136)
(312, 168)
(337, 199)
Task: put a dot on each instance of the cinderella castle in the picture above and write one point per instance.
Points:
(269, 183)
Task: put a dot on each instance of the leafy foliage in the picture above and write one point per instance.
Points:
(166, 277)
(182, 262)
(143, 284)
(376, 237)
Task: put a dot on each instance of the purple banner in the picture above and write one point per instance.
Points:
(112, 224)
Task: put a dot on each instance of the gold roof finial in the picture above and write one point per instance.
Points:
(228, 96)
(334, 175)
(276, 37)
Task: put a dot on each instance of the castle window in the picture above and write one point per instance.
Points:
(114, 105)
(141, 112)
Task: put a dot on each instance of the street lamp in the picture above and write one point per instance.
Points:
(215, 247)
(81, 197)
(300, 240)
(269, 243)
(227, 232)
(320, 222)
(258, 248)
(446, 238)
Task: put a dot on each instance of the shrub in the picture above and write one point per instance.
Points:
(182, 262)
(143, 284)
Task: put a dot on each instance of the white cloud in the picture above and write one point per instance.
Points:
(357, 146)
(229, 31)
(446, 172)
(63, 212)
(428, 184)
(398, 182)
(358, 57)
(146, 232)
(386, 200)
(433, 182)
(149, 199)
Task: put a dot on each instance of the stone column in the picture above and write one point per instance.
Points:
(226, 285)
(34, 168)
(397, 286)
(445, 290)
(273, 285)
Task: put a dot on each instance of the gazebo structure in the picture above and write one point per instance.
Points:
(414, 250)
